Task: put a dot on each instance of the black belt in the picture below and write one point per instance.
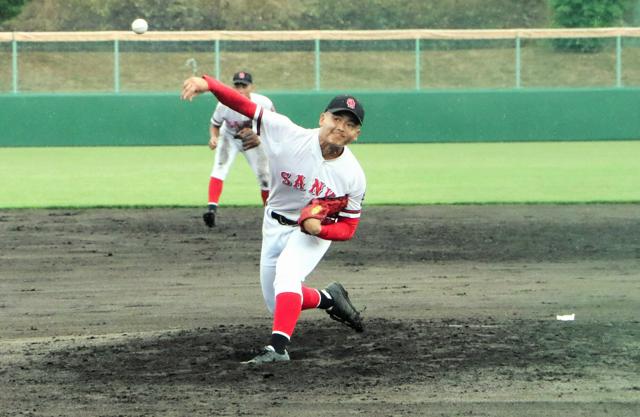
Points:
(283, 220)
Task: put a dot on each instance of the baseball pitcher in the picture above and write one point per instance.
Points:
(317, 189)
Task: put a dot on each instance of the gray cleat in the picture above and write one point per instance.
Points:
(342, 309)
(268, 355)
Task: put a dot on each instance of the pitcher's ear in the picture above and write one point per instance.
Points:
(321, 119)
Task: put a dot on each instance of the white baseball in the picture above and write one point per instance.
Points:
(139, 26)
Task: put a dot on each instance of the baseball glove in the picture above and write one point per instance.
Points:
(248, 137)
(324, 209)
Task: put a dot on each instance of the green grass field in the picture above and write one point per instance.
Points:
(396, 174)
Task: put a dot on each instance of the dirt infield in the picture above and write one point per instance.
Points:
(146, 312)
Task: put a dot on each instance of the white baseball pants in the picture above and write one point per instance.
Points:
(288, 256)
(226, 153)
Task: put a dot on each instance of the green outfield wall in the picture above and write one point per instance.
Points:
(425, 116)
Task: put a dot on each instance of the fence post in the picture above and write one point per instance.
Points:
(418, 66)
(116, 66)
(14, 64)
(518, 63)
(217, 62)
(317, 55)
(619, 61)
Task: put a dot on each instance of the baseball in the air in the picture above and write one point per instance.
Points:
(139, 26)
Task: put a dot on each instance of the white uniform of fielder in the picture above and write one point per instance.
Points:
(230, 123)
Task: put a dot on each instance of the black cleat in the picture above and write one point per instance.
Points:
(342, 309)
(209, 218)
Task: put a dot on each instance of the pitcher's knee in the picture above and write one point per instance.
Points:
(287, 285)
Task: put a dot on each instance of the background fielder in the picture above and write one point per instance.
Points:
(230, 133)
(305, 164)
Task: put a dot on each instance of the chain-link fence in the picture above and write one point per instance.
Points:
(121, 62)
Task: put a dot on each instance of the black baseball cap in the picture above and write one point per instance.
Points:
(346, 103)
(242, 77)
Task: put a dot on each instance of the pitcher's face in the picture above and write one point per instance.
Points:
(338, 129)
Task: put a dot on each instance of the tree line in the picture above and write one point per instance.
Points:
(74, 15)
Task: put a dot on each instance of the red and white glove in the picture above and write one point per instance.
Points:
(324, 209)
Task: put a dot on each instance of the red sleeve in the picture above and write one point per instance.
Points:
(343, 229)
(231, 98)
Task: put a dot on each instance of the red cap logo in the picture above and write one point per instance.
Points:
(241, 74)
(351, 103)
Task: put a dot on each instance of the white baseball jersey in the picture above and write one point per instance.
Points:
(300, 173)
(231, 122)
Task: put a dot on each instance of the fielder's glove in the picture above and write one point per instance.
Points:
(248, 137)
(324, 209)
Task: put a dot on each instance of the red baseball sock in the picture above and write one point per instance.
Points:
(264, 194)
(285, 316)
(215, 189)
(310, 298)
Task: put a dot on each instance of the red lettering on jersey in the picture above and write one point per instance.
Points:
(329, 193)
(317, 187)
(299, 184)
(285, 178)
